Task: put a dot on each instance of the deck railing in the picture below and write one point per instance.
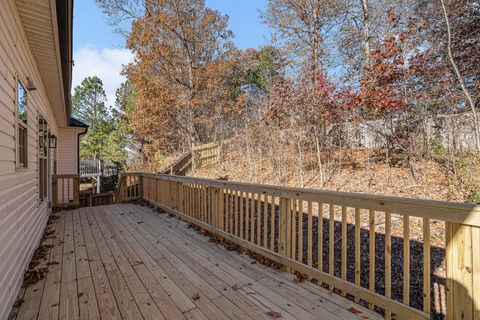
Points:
(65, 190)
(323, 235)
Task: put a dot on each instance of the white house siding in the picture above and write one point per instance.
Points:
(67, 150)
(22, 215)
(67, 160)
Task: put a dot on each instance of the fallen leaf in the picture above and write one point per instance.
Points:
(274, 314)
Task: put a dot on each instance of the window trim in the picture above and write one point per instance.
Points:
(19, 123)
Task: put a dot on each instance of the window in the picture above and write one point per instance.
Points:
(42, 157)
(22, 139)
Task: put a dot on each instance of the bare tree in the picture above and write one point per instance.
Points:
(460, 78)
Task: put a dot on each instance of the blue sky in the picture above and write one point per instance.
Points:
(91, 27)
(98, 50)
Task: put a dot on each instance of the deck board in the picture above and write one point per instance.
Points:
(129, 262)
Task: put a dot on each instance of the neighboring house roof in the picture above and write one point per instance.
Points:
(77, 123)
(48, 29)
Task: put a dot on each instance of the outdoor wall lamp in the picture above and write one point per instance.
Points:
(31, 85)
(52, 141)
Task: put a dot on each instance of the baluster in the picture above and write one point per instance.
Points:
(309, 235)
(344, 245)
(227, 209)
(247, 215)
(300, 231)
(357, 248)
(371, 281)
(242, 198)
(272, 223)
(252, 219)
(406, 259)
(265, 220)
(231, 211)
(258, 214)
(293, 223)
(331, 243)
(282, 230)
(320, 236)
(290, 226)
(426, 265)
(388, 260)
(220, 207)
(237, 193)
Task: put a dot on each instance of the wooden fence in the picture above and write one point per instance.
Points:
(297, 228)
(65, 190)
(206, 155)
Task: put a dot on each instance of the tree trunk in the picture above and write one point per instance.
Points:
(460, 78)
(300, 164)
(366, 30)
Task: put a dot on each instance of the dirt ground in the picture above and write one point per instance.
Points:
(354, 174)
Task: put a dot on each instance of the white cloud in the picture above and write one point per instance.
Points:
(105, 63)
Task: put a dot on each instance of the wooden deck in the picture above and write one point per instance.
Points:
(128, 262)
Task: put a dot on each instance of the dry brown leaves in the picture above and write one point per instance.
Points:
(232, 246)
(34, 275)
(300, 277)
(274, 314)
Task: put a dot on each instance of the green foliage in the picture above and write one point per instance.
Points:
(262, 67)
(125, 98)
(268, 66)
(105, 138)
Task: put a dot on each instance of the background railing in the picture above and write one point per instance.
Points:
(90, 168)
(65, 190)
(320, 234)
(206, 155)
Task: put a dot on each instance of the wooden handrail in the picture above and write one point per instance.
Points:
(128, 187)
(65, 190)
(439, 210)
(181, 166)
(280, 223)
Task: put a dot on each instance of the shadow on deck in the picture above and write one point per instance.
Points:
(129, 262)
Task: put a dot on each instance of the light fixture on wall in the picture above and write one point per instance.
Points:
(31, 85)
(52, 141)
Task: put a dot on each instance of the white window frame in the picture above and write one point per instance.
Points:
(20, 123)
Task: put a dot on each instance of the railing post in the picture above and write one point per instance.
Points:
(463, 270)
(76, 191)
(54, 191)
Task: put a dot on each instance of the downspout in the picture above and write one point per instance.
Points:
(78, 148)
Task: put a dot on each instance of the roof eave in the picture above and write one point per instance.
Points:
(64, 21)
